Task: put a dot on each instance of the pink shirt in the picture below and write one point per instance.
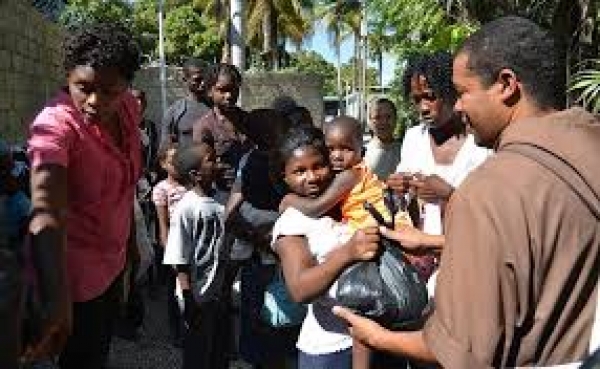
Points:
(101, 181)
(167, 194)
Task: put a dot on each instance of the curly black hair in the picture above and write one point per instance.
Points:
(222, 69)
(531, 52)
(102, 45)
(437, 70)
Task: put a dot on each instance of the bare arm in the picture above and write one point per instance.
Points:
(305, 278)
(409, 344)
(48, 236)
(414, 239)
(234, 201)
(162, 213)
(339, 188)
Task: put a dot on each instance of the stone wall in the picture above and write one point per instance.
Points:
(258, 90)
(147, 79)
(30, 66)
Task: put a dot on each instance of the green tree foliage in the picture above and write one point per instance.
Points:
(575, 22)
(408, 26)
(78, 12)
(586, 84)
(349, 71)
(189, 33)
(312, 62)
(145, 23)
(271, 22)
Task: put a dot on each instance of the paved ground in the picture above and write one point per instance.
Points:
(152, 350)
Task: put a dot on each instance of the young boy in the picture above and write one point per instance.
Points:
(195, 248)
(382, 152)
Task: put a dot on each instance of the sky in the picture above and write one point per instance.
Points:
(320, 43)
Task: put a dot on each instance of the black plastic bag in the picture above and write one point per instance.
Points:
(387, 289)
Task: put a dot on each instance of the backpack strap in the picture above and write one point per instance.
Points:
(571, 177)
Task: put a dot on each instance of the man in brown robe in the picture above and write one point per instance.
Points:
(518, 275)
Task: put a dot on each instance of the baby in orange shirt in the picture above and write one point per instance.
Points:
(354, 183)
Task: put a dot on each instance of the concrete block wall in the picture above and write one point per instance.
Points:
(148, 80)
(258, 90)
(30, 66)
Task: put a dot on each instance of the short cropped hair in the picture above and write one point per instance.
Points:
(385, 101)
(189, 158)
(531, 52)
(346, 122)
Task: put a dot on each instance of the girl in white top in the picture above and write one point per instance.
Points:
(418, 157)
(314, 251)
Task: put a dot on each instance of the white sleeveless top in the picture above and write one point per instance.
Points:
(417, 157)
(322, 332)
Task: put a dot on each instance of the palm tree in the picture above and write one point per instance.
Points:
(342, 20)
(331, 14)
(377, 44)
(219, 11)
(271, 22)
(576, 21)
(586, 82)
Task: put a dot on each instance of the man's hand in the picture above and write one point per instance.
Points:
(364, 244)
(409, 237)
(362, 329)
(431, 188)
(413, 240)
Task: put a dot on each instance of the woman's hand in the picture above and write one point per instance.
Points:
(399, 182)
(431, 188)
(364, 244)
(362, 329)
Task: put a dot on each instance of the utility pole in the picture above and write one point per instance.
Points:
(338, 51)
(161, 58)
(236, 37)
(364, 57)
